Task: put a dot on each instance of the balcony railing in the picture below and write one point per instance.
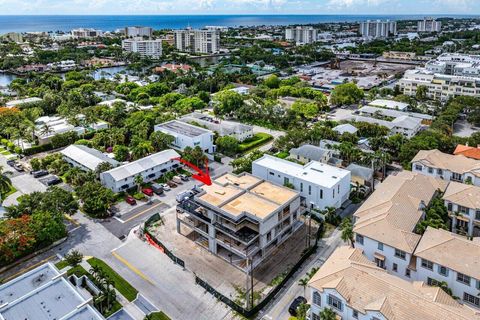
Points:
(245, 237)
(193, 209)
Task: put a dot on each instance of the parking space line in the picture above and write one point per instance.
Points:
(142, 212)
(28, 269)
(131, 267)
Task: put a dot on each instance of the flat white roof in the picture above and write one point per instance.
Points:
(313, 172)
(43, 294)
(177, 128)
(14, 103)
(390, 104)
(136, 167)
(86, 156)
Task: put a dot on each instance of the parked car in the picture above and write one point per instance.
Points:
(39, 173)
(171, 184)
(18, 167)
(177, 180)
(165, 187)
(11, 163)
(184, 177)
(295, 304)
(148, 192)
(130, 200)
(53, 180)
(157, 188)
(184, 196)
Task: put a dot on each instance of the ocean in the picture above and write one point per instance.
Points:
(29, 23)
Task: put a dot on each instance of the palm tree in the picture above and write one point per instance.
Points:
(330, 213)
(46, 129)
(328, 314)
(138, 181)
(5, 184)
(303, 282)
(347, 231)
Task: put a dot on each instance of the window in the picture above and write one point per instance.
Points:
(321, 194)
(335, 302)
(443, 271)
(395, 267)
(380, 246)
(317, 298)
(477, 215)
(271, 173)
(301, 186)
(400, 254)
(418, 167)
(315, 316)
(269, 236)
(439, 171)
(463, 210)
(471, 299)
(427, 264)
(463, 278)
(359, 239)
(355, 314)
(407, 272)
(309, 190)
(430, 170)
(333, 194)
(286, 181)
(449, 206)
(338, 189)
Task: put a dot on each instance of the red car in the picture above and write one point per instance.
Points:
(130, 200)
(148, 192)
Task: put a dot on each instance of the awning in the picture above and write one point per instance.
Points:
(379, 256)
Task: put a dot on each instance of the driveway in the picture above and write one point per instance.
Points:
(25, 184)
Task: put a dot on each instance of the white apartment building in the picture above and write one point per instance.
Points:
(449, 75)
(197, 40)
(385, 223)
(404, 124)
(136, 31)
(320, 185)
(463, 204)
(301, 34)
(240, 218)
(355, 289)
(437, 164)
(85, 158)
(429, 24)
(442, 256)
(378, 29)
(86, 33)
(224, 128)
(187, 135)
(150, 168)
(146, 48)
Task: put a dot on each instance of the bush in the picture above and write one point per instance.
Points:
(10, 146)
(4, 141)
(18, 150)
(139, 196)
(258, 139)
(38, 149)
(73, 258)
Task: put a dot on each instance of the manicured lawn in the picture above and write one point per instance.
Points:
(61, 264)
(158, 316)
(78, 271)
(257, 140)
(115, 307)
(282, 155)
(119, 283)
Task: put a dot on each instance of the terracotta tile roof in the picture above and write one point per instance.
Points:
(456, 163)
(392, 212)
(437, 246)
(366, 287)
(463, 194)
(469, 152)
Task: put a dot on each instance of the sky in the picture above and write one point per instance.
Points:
(409, 7)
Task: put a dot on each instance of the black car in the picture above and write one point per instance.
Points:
(11, 163)
(53, 181)
(295, 304)
(39, 173)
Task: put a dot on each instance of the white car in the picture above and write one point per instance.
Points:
(165, 187)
